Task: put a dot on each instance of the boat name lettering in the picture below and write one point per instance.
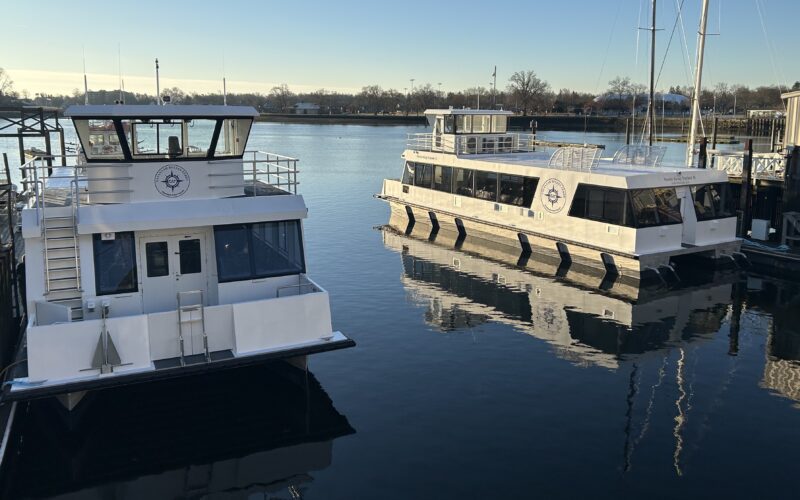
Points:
(554, 196)
(172, 181)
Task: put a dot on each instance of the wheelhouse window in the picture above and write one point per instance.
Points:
(233, 137)
(423, 175)
(463, 182)
(499, 124)
(601, 204)
(99, 139)
(481, 124)
(655, 207)
(199, 135)
(258, 250)
(486, 185)
(114, 263)
(449, 124)
(464, 124)
(517, 190)
(442, 178)
(408, 173)
(155, 139)
(712, 201)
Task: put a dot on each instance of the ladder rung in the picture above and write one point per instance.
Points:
(71, 257)
(68, 289)
(59, 238)
(58, 217)
(58, 228)
(72, 278)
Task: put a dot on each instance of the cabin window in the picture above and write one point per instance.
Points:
(114, 264)
(499, 124)
(423, 175)
(463, 182)
(464, 124)
(655, 207)
(601, 204)
(190, 258)
(481, 124)
(408, 173)
(442, 178)
(486, 185)
(449, 124)
(157, 257)
(155, 138)
(99, 139)
(712, 201)
(233, 137)
(258, 250)
(199, 134)
(517, 190)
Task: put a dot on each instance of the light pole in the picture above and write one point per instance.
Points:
(440, 93)
(412, 90)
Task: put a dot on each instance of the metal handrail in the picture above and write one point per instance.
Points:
(494, 143)
(299, 287)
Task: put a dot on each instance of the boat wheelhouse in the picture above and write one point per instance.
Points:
(625, 215)
(175, 251)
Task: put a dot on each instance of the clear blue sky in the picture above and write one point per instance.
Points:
(347, 44)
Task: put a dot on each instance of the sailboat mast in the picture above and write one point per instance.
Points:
(651, 115)
(701, 46)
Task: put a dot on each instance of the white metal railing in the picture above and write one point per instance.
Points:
(475, 143)
(261, 169)
(575, 158)
(769, 166)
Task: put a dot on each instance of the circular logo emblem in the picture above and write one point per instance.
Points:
(172, 181)
(554, 195)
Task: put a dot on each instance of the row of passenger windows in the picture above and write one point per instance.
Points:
(515, 190)
(475, 124)
(243, 251)
(634, 208)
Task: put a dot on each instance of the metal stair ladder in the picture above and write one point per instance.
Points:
(62, 262)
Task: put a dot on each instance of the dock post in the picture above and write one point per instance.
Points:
(63, 147)
(21, 142)
(49, 151)
(627, 131)
(745, 197)
(791, 182)
(714, 133)
(702, 157)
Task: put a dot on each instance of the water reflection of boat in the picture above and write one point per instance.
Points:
(260, 430)
(463, 288)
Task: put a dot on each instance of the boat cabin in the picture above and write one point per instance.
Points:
(472, 131)
(171, 239)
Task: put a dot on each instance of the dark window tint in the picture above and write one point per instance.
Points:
(486, 185)
(712, 201)
(462, 181)
(157, 255)
(408, 173)
(233, 252)
(115, 264)
(260, 250)
(644, 207)
(669, 206)
(442, 178)
(423, 175)
(276, 248)
(449, 124)
(190, 256)
(517, 190)
(602, 205)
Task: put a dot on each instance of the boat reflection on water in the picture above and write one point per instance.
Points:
(586, 319)
(260, 430)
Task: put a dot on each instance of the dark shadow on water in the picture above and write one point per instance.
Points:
(251, 431)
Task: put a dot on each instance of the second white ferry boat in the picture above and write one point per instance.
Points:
(627, 215)
(166, 249)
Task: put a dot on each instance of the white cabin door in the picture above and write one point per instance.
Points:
(170, 265)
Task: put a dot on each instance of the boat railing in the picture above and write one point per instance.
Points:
(304, 285)
(575, 158)
(260, 168)
(766, 166)
(510, 142)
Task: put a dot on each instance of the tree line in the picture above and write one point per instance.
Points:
(524, 93)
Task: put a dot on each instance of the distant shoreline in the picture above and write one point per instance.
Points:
(726, 125)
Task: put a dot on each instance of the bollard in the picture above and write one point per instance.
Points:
(745, 196)
(702, 157)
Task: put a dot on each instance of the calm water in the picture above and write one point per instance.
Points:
(472, 378)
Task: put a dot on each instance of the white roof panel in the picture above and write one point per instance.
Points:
(156, 111)
(467, 112)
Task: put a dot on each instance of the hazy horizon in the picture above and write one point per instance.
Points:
(576, 44)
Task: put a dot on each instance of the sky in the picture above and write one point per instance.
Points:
(345, 45)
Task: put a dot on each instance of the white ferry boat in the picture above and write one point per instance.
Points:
(169, 249)
(626, 215)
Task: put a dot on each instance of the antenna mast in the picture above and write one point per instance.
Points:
(494, 88)
(85, 81)
(224, 84)
(701, 45)
(158, 86)
(119, 68)
(651, 110)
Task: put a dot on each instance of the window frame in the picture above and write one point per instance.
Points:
(251, 253)
(98, 241)
(726, 202)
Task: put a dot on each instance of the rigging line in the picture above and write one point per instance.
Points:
(769, 51)
(669, 43)
(685, 45)
(608, 46)
(636, 52)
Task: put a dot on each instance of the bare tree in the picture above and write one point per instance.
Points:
(281, 95)
(527, 89)
(371, 98)
(620, 87)
(6, 84)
